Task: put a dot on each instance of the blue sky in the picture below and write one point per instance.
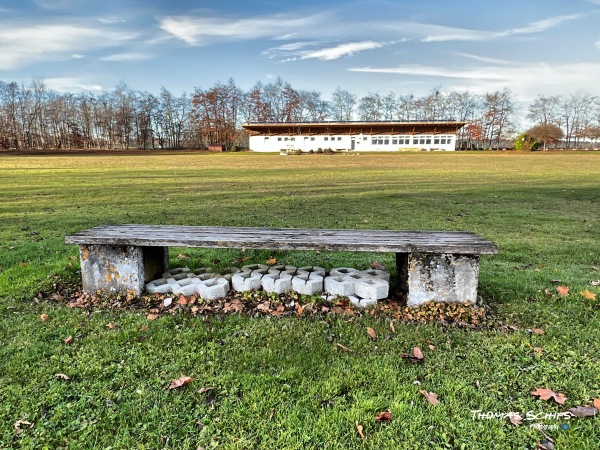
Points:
(407, 46)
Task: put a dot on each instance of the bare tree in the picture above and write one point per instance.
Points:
(342, 105)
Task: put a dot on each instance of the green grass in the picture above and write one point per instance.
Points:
(282, 382)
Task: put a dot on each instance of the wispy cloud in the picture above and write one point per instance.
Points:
(71, 84)
(484, 59)
(462, 34)
(597, 44)
(111, 20)
(123, 57)
(347, 49)
(21, 45)
(525, 80)
(203, 30)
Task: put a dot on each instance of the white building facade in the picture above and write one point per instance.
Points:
(353, 136)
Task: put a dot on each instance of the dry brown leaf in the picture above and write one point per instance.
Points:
(234, 305)
(181, 381)
(372, 334)
(392, 327)
(152, 316)
(182, 256)
(110, 326)
(183, 300)
(538, 331)
(299, 309)
(44, 317)
(538, 350)
(583, 411)
(62, 376)
(264, 307)
(19, 423)
(430, 396)
(202, 390)
(596, 403)
(384, 416)
(416, 356)
(547, 394)
(515, 418)
(562, 291)
(431, 347)
(588, 295)
(68, 341)
(144, 328)
(343, 347)
(279, 310)
(271, 261)
(359, 428)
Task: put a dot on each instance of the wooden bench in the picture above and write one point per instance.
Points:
(431, 265)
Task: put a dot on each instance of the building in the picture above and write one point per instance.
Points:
(353, 136)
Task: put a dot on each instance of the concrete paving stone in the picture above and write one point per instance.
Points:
(342, 271)
(159, 286)
(278, 283)
(381, 274)
(208, 276)
(307, 284)
(339, 285)
(186, 287)
(373, 288)
(259, 272)
(245, 281)
(313, 269)
(367, 303)
(252, 267)
(329, 298)
(354, 300)
(201, 270)
(176, 271)
(213, 288)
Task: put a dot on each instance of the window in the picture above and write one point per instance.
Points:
(428, 141)
(312, 138)
(422, 141)
(443, 141)
(278, 138)
(339, 138)
(415, 141)
(292, 139)
(394, 141)
(326, 138)
(287, 139)
(267, 137)
(373, 141)
(364, 138)
(436, 141)
(386, 141)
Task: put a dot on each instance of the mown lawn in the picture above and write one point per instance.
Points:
(283, 383)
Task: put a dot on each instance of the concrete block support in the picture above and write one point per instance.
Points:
(371, 288)
(245, 281)
(339, 285)
(120, 268)
(373, 273)
(440, 277)
(307, 284)
(277, 282)
(213, 288)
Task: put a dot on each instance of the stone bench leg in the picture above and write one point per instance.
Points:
(121, 268)
(439, 277)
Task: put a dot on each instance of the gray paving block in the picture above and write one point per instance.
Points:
(186, 287)
(354, 300)
(245, 281)
(213, 288)
(367, 303)
(339, 285)
(307, 284)
(252, 267)
(342, 271)
(176, 271)
(312, 269)
(201, 270)
(372, 288)
(374, 273)
(159, 286)
(278, 283)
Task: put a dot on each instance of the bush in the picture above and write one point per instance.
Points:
(526, 142)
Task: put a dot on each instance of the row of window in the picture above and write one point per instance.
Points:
(387, 140)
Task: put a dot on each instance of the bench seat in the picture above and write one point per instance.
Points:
(431, 265)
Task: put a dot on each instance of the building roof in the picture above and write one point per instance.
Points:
(369, 128)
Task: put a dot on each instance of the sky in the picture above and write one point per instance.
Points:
(532, 47)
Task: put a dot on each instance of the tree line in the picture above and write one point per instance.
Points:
(32, 116)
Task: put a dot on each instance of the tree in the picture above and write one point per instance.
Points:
(592, 133)
(342, 105)
(546, 133)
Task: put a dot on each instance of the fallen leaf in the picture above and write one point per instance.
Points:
(271, 413)
(538, 350)
(144, 328)
(596, 403)
(279, 310)
(152, 316)
(68, 340)
(299, 309)
(372, 334)
(234, 305)
(562, 291)
(384, 416)
(44, 317)
(202, 390)
(515, 418)
(538, 331)
(182, 256)
(588, 295)
(416, 356)
(181, 381)
(19, 423)
(264, 306)
(167, 302)
(183, 300)
(359, 428)
(392, 327)
(431, 347)
(548, 293)
(377, 265)
(583, 411)
(271, 261)
(62, 376)
(547, 394)
(110, 326)
(343, 347)
(430, 396)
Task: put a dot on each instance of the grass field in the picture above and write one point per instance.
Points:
(283, 383)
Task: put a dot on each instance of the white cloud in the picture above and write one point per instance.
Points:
(347, 49)
(597, 44)
(525, 80)
(462, 34)
(132, 56)
(111, 20)
(484, 59)
(198, 31)
(71, 84)
(22, 45)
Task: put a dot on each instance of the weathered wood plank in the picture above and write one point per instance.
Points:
(286, 239)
